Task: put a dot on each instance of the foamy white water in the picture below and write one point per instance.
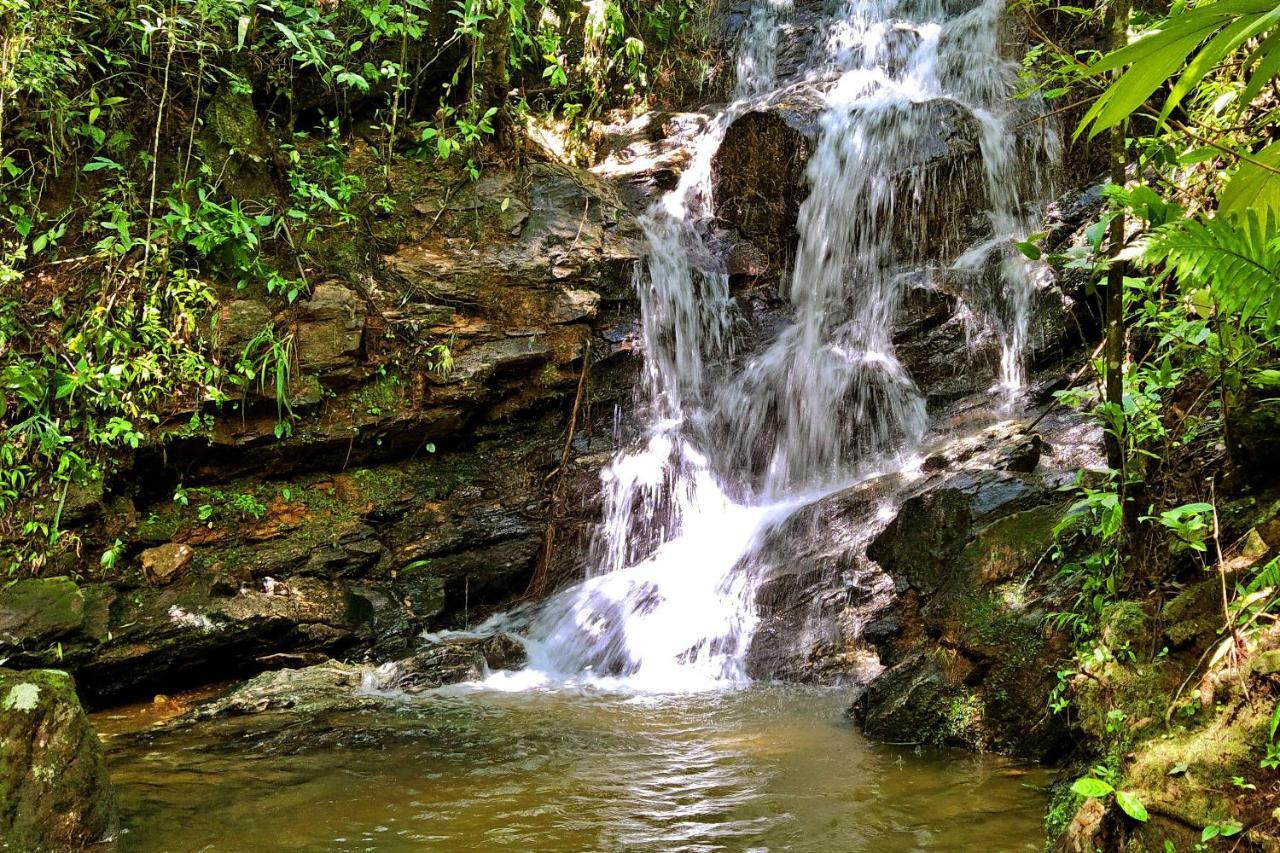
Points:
(733, 445)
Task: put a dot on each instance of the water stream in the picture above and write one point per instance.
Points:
(736, 442)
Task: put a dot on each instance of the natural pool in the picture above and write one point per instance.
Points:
(765, 768)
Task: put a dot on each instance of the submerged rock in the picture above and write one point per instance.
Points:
(334, 686)
(55, 793)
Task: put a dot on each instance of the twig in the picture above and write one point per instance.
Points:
(1088, 362)
(538, 582)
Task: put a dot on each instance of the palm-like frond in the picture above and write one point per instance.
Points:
(1237, 258)
(1193, 41)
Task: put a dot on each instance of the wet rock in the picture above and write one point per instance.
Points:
(970, 657)
(325, 687)
(494, 359)
(35, 612)
(333, 686)
(456, 659)
(121, 640)
(759, 175)
(759, 178)
(330, 329)
(163, 563)
(576, 235)
(55, 792)
(819, 590)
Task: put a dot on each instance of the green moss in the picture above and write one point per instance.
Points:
(382, 394)
(1012, 545)
(1125, 624)
(162, 525)
(233, 121)
(962, 718)
(1206, 758)
(998, 621)
(41, 609)
(1063, 803)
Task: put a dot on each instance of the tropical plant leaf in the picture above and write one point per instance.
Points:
(1237, 258)
(1253, 186)
(1087, 786)
(1195, 41)
(1131, 805)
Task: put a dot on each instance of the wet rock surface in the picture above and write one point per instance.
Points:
(923, 589)
(334, 686)
(55, 793)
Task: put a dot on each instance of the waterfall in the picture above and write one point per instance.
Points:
(735, 442)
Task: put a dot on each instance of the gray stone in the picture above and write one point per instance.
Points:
(239, 321)
(163, 563)
(572, 306)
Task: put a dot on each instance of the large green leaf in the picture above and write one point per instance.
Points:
(1226, 42)
(1195, 41)
(1254, 186)
(1138, 83)
(1087, 786)
(1236, 257)
(1266, 58)
(1131, 805)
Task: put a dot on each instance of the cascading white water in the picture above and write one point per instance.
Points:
(734, 444)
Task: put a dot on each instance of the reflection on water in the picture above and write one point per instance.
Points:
(767, 768)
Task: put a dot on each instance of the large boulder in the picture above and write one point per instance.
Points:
(759, 173)
(970, 657)
(55, 793)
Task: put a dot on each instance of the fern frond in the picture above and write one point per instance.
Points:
(1237, 259)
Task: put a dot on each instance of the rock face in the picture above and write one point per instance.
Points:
(923, 590)
(55, 794)
(413, 493)
(759, 178)
(330, 331)
(969, 656)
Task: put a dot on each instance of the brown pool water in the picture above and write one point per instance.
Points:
(763, 769)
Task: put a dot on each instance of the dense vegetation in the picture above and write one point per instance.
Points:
(157, 158)
(1187, 257)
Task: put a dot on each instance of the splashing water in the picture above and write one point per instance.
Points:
(735, 445)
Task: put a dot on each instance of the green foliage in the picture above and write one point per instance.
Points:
(1194, 40)
(1129, 803)
(156, 156)
(1232, 263)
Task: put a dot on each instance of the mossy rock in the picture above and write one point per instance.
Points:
(1125, 624)
(235, 144)
(55, 792)
(38, 611)
(1014, 544)
(1194, 615)
(1186, 775)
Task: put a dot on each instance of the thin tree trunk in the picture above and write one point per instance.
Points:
(1115, 350)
